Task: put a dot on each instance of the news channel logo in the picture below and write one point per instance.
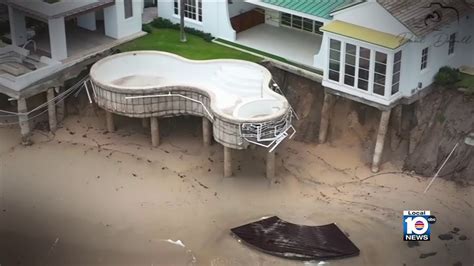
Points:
(417, 225)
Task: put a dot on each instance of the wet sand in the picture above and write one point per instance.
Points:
(88, 197)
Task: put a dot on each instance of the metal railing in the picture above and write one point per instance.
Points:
(268, 134)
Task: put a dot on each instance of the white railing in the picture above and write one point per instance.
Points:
(268, 134)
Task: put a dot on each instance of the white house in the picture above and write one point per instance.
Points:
(53, 41)
(376, 51)
(48, 36)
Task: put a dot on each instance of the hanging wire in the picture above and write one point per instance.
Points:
(58, 99)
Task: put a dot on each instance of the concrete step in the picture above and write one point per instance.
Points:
(14, 69)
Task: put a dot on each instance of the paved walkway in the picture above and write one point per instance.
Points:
(149, 14)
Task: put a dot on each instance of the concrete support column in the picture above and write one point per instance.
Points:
(227, 162)
(379, 144)
(324, 125)
(24, 123)
(109, 120)
(155, 131)
(87, 21)
(206, 132)
(57, 38)
(145, 122)
(396, 127)
(17, 26)
(51, 110)
(271, 165)
(60, 107)
(111, 21)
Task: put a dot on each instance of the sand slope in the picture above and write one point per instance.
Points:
(87, 197)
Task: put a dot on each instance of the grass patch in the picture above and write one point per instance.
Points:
(196, 48)
(467, 82)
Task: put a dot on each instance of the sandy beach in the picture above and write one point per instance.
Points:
(88, 197)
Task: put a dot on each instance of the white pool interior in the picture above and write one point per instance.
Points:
(237, 88)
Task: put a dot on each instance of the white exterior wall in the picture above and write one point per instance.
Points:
(371, 15)
(272, 17)
(87, 21)
(57, 38)
(215, 18)
(116, 25)
(17, 26)
(438, 56)
(238, 7)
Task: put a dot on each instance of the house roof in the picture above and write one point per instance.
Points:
(422, 17)
(364, 34)
(318, 8)
(62, 8)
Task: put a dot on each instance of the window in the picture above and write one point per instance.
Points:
(334, 59)
(424, 58)
(350, 65)
(380, 72)
(452, 42)
(128, 5)
(192, 9)
(300, 23)
(364, 68)
(397, 63)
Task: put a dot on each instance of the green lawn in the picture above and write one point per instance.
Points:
(196, 48)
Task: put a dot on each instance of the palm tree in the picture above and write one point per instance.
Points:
(181, 22)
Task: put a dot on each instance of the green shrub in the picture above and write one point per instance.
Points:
(447, 76)
(162, 23)
(147, 28)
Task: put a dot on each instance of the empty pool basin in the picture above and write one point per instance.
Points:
(150, 84)
(258, 108)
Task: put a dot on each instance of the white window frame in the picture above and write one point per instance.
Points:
(192, 11)
(339, 60)
(424, 58)
(396, 82)
(131, 9)
(389, 68)
(452, 43)
(316, 25)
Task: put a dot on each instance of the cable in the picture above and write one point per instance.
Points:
(60, 97)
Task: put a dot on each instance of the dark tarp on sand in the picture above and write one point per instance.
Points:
(300, 242)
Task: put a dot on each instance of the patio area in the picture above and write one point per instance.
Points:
(282, 41)
(80, 41)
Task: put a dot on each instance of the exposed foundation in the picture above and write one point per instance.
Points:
(227, 162)
(379, 144)
(60, 107)
(109, 120)
(51, 110)
(206, 132)
(155, 131)
(270, 165)
(326, 110)
(24, 123)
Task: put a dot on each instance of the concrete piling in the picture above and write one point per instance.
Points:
(206, 132)
(155, 131)
(109, 119)
(325, 112)
(383, 126)
(51, 110)
(60, 107)
(270, 165)
(23, 120)
(227, 162)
